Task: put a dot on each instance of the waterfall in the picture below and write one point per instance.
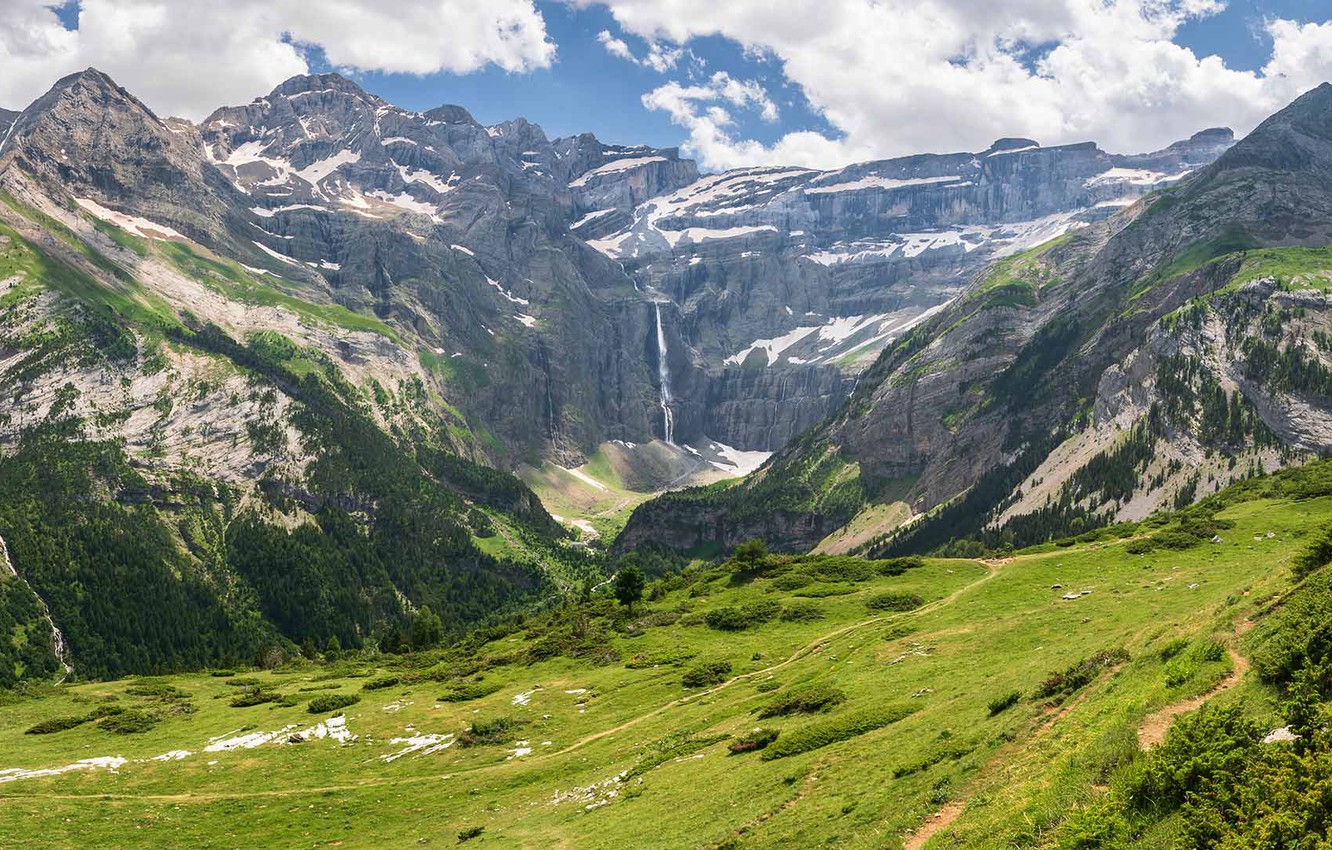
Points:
(57, 639)
(664, 379)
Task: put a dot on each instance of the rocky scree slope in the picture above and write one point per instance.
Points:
(1140, 362)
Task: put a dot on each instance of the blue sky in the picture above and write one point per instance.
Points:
(589, 90)
(753, 82)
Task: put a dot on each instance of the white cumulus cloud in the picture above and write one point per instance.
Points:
(659, 57)
(187, 57)
(703, 110)
(894, 77)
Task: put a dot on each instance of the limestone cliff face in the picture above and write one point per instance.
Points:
(518, 274)
(1139, 362)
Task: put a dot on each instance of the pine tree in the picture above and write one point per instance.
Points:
(629, 583)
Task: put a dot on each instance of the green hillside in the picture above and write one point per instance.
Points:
(993, 702)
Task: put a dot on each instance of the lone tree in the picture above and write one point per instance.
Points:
(427, 630)
(629, 584)
(751, 551)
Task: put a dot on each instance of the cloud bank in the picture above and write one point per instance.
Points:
(185, 57)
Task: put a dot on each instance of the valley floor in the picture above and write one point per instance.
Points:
(610, 750)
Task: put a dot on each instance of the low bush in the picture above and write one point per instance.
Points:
(55, 724)
(897, 566)
(129, 722)
(730, 619)
(331, 702)
(791, 581)
(707, 673)
(1004, 702)
(833, 730)
(660, 658)
(1177, 540)
(467, 691)
(1173, 648)
(156, 689)
(801, 612)
(1187, 664)
(105, 711)
(381, 682)
(894, 601)
(804, 700)
(1141, 546)
(498, 730)
(1316, 554)
(751, 741)
(467, 833)
(823, 590)
(254, 696)
(1062, 684)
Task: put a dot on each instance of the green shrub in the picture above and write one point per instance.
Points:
(1211, 743)
(1177, 540)
(254, 696)
(1004, 702)
(467, 691)
(1141, 546)
(823, 590)
(791, 581)
(660, 658)
(467, 833)
(156, 689)
(331, 702)
(55, 724)
(1173, 648)
(1079, 675)
(801, 612)
(105, 711)
(751, 741)
(726, 619)
(897, 566)
(1316, 554)
(381, 682)
(730, 619)
(833, 730)
(767, 686)
(222, 674)
(129, 722)
(803, 700)
(499, 730)
(707, 673)
(894, 601)
(839, 568)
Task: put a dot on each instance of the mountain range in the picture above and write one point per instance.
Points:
(288, 357)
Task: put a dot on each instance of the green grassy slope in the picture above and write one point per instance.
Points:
(607, 747)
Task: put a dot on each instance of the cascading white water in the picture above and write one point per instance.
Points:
(664, 379)
(57, 638)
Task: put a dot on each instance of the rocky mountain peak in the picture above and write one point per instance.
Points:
(312, 83)
(1010, 144)
(93, 139)
(1296, 139)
